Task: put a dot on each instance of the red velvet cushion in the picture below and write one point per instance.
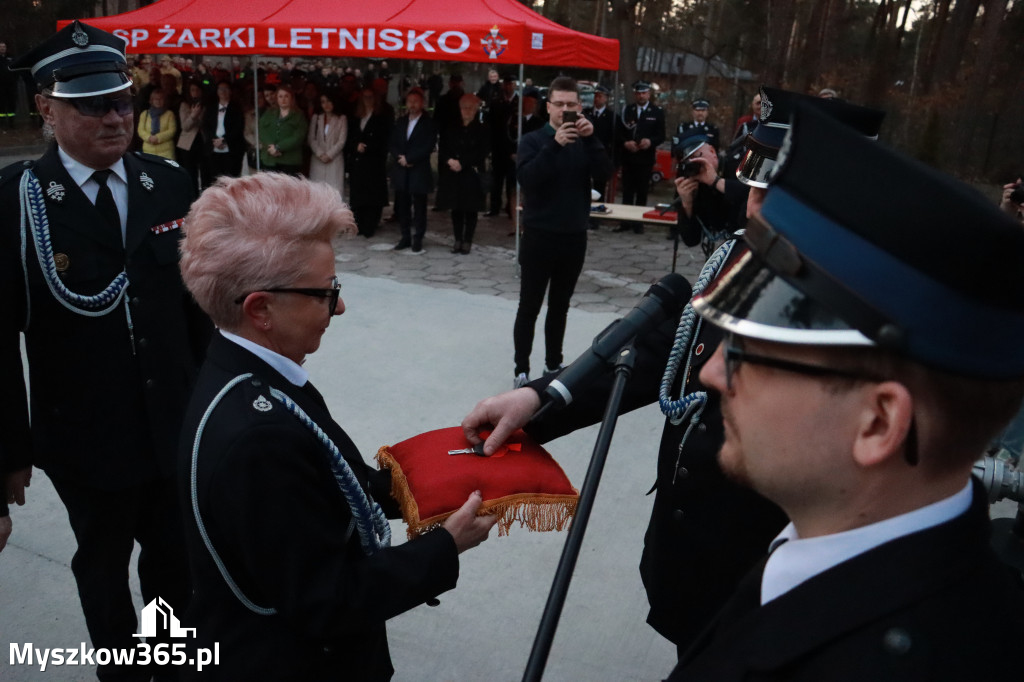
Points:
(521, 484)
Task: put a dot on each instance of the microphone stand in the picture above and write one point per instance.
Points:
(574, 540)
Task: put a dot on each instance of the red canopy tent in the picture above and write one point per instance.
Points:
(486, 31)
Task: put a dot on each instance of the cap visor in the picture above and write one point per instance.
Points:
(91, 85)
(751, 300)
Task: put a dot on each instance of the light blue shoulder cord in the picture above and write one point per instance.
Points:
(34, 221)
(372, 524)
(690, 405)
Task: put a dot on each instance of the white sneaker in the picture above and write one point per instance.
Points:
(521, 380)
(556, 370)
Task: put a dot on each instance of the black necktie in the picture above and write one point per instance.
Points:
(223, 109)
(105, 201)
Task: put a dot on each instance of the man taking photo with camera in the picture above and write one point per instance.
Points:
(555, 167)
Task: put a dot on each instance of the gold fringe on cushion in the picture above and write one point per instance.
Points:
(536, 511)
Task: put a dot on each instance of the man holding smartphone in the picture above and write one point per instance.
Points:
(554, 168)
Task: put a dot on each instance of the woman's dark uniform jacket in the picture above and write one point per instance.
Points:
(277, 518)
(103, 413)
(705, 531)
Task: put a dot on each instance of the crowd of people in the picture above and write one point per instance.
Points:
(814, 516)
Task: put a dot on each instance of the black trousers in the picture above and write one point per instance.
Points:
(546, 258)
(106, 525)
(463, 225)
(221, 164)
(411, 210)
(503, 175)
(636, 179)
(367, 218)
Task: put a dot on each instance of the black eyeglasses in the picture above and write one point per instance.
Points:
(332, 295)
(734, 355)
(97, 106)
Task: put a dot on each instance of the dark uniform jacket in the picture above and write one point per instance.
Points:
(367, 171)
(276, 516)
(633, 126)
(106, 408)
(418, 178)
(705, 532)
(706, 127)
(928, 607)
(469, 145)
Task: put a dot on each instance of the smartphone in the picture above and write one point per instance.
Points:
(570, 116)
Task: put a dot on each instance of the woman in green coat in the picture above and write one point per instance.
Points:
(282, 135)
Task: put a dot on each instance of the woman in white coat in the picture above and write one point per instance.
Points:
(327, 133)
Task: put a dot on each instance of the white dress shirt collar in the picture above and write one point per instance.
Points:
(82, 175)
(289, 369)
(794, 561)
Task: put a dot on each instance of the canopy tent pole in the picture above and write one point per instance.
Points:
(519, 134)
(256, 105)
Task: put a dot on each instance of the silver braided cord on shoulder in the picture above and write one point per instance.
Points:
(194, 492)
(372, 524)
(35, 222)
(688, 329)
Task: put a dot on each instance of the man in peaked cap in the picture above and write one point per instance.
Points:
(765, 141)
(869, 357)
(705, 531)
(113, 339)
(641, 130)
(700, 123)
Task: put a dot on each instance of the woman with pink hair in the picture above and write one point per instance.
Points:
(289, 544)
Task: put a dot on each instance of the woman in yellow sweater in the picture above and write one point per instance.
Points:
(157, 127)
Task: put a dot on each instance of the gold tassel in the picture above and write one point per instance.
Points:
(536, 511)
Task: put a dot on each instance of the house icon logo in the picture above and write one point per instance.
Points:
(158, 616)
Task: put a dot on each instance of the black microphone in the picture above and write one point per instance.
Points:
(664, 299)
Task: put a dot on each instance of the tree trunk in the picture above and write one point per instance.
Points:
(624, 29)
(967, 125)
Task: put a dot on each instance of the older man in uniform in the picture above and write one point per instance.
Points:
(705, 531)
(89, 268)
(860, 407)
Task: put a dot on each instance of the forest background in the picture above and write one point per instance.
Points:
(949, 73)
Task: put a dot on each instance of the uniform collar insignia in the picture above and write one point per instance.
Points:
(146, 181)
(55, 191)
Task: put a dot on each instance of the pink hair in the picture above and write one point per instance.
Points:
(253, 233)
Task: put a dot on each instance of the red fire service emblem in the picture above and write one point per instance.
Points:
(494, 43)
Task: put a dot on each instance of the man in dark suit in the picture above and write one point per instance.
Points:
(412, 141)
(113, 339)
(860, 410)
(641, 130)
(223, 128)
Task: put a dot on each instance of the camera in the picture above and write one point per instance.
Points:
(1017, 195)
(570, 116)
(688, 169)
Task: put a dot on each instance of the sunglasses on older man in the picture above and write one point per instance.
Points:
(97, 106)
